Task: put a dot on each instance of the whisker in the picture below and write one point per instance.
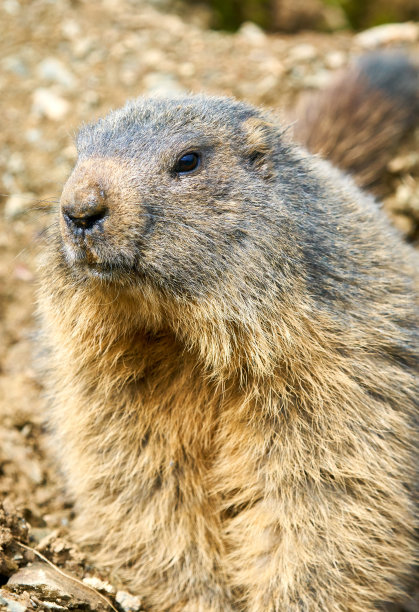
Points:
(189, 227)
(34, 207)
(29, 197)
(28, 248)
(42, 233)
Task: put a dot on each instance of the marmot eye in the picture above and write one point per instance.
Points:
(188, 163)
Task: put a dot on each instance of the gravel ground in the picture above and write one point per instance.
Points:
(62, 63)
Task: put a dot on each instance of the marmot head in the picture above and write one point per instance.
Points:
(197, 216)
(176, 192)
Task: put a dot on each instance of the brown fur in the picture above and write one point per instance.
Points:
(231, 402)
(358, 120)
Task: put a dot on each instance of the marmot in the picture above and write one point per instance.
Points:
(230, 332)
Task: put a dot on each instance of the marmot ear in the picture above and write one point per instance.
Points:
(259, 143)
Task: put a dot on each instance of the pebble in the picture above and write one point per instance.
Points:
(37, 534)
(267, 85)
(186, 69)
(70, 152)
(273, 66)
(152, 57)
(403, 223)
(302, 53)
(335, 59)
(407, 195)
(16, 65)
(82, 47)
(319, 80)
(99, 585)
(9, 182)
(70, 29)
(12, 7)
(47, 103)
(53, 70)
(173, 24)
(33, 135)
(128, 602)
(252, 33)
(42, 578)
(18, 204)
(388, 33)
(16, 163)
(160, 85)
(23, 273)
(161, 4)
(14, 448)
(404, 163)
(13, 602)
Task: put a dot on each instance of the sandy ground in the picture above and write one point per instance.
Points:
(63, 63)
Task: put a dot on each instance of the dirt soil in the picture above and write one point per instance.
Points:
(63, 63)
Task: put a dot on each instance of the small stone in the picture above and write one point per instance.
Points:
(16, 165)
(161, 85)
(91, 98)
(407, 195)
(404, 224)
(22, 273)
(388, 33)
(273, 66)
(70, 153)
(186, 69)
(128, 602)
(33, 135)
(403, 163)
(267, 85)
(82, 47)
(53, 70)
(12, 7)
(319, 80)
(302, 53)
(335, 59)
(48, 104)
(48, 539)
(9, 182)
(252, 33)
(99, 585)
(60, 172)
(15, 64)
(43, 579)
(70, 29)
(37, 534)
(173, 24)
(152, 57)
(13, 602)
(161, 4)
(128, 77)
(18, 204)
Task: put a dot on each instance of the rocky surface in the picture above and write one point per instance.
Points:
(62, 63)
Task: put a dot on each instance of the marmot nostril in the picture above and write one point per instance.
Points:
(84, 215)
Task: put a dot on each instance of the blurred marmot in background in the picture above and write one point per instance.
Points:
(230, 326)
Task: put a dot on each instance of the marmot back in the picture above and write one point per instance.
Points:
(230, 325)
(358, 120)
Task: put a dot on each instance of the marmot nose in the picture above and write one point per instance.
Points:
(83, 214)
